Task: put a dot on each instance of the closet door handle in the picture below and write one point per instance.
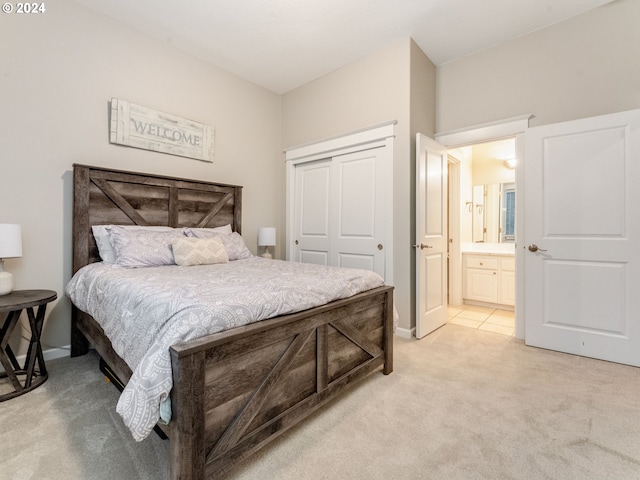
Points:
(422, 246)
(534, 248)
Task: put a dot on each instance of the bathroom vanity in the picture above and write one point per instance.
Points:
(488, 279)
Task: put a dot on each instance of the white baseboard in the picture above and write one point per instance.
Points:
(57, 352)
(49, 354)
(405, 333)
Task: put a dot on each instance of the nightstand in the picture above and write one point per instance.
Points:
(13, 304)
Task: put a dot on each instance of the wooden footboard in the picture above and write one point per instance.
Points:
(235, 391)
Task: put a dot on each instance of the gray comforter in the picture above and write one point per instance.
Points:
(144, 311)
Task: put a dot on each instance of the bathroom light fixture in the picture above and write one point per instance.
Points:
(266, 239)
(511, 163)
(10, 247)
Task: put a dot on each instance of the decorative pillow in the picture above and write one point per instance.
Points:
(188, 251)
(143, 247)
(103, 238)
(233, 242)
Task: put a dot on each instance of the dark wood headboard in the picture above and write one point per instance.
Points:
(103, 196)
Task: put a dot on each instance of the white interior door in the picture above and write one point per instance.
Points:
(431, 235)
(582, 256)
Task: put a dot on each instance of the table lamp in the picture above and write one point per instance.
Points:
(266, 239)
(10, 247)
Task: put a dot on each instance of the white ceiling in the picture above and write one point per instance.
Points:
(282, 44)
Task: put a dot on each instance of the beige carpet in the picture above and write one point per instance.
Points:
(461, 404)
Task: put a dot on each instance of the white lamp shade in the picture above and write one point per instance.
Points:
(267, 237)
(10, 240)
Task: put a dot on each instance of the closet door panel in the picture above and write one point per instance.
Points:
(357, 197)
(356, 211)
(311, 212)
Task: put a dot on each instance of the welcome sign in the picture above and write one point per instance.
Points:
(141, 127)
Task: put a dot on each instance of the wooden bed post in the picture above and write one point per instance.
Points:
(81, 227)
(187, 452)
(388, 333)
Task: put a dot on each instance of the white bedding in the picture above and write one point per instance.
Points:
(144, 311)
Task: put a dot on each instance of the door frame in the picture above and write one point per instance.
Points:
(511, 127)
(454, 293)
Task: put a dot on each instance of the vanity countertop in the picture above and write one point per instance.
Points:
(489, 248)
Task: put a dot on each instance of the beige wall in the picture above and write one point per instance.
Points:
(377, 89)
(579, 68)
(365, 93)
(58, 72)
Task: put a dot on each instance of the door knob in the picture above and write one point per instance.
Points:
(534, 248)
(422, 245)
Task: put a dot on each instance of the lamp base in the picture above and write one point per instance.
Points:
(266, 254)
(6, 283)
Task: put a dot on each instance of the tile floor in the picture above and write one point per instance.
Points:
(483, 318)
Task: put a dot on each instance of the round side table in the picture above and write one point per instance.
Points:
(13, 304)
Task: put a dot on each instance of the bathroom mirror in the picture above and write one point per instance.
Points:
(494, 213)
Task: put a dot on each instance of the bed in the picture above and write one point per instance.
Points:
(236, 390)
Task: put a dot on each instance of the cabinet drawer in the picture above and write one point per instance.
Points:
(508, 264)
(482, 262)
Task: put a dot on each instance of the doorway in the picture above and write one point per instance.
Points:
(455, 141)
(482, 242)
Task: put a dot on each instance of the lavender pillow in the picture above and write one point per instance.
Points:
(103, 238)
(142, 247)
(233, 242)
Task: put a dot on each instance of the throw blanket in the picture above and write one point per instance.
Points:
(144, 311)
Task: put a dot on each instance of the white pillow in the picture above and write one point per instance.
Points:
(103, 238)
(233, 242)
(189, 251)
(143, 248)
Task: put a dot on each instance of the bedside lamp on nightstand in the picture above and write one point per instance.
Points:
(10, 247)
(266, 239)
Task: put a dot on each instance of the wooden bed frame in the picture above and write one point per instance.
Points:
(233, 391)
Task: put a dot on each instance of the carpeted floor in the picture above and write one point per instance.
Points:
(461, 404)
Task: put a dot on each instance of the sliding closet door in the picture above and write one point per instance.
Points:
(339, 207)
(338, 211)
(357, 216)
(311, 212)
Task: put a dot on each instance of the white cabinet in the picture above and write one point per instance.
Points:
(507, 282)
(489, 278)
